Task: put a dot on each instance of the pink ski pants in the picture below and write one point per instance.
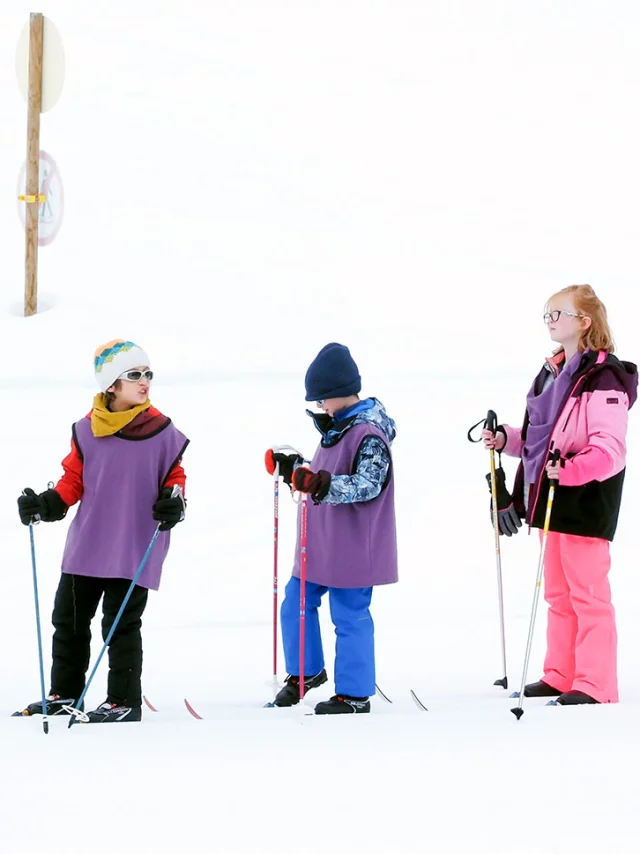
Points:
(581, 628)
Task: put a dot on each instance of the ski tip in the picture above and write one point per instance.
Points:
(192, 711)
(148, 704)
(518, 712)
(502, 683)
(515, 695)
(23, 714)
(269, 706)
(552, 703)
(382, 695)
(418, 701)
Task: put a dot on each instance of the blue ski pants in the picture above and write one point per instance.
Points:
(354, 673)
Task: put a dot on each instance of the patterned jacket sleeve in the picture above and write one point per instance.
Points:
(372, 468)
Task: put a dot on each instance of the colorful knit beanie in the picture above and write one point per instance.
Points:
(114, 358)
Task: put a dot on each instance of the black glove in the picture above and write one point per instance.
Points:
(46, 507)
(508, 519)
(169, 508)
(286, 463)
(315, 483)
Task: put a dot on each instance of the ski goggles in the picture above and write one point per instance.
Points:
(136, 376)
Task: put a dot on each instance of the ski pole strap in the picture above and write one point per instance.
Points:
(471, 429)
(488, 423)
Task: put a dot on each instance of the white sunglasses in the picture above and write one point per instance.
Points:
(136, 376)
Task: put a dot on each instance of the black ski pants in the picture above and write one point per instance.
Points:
(76, 602)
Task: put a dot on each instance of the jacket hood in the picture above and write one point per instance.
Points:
(368, 411)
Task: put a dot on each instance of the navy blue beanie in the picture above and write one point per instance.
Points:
(333, 373)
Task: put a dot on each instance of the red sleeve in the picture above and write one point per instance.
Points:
(70, 487)
(177, 476)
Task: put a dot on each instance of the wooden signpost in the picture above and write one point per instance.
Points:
(34, 107)
(40, 70)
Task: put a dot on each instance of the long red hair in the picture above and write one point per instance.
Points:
(598, 335)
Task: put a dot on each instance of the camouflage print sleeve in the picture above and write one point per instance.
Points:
(372, 468)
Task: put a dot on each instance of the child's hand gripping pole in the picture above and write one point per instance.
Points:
(518, 711)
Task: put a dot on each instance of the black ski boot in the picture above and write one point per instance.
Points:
(54, 707)
(540, 689)
(108, 713)
(341, 704)
(574, 698)
(290, 694)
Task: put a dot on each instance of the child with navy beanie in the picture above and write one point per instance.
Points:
(351, 532)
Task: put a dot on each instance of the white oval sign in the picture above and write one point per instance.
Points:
(52, 64)
(51, 210)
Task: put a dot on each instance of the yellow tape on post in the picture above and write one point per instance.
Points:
(31, 200)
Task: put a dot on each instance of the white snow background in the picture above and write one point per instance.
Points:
(245, 182)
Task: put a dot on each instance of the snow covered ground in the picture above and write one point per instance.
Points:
(245, 183)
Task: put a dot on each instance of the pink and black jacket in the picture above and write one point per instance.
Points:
(589, 430)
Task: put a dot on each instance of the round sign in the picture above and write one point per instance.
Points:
(52, 64)
(51, 209)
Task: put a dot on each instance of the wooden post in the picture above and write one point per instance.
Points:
(32, 209)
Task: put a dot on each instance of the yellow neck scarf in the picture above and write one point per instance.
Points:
(106, 423)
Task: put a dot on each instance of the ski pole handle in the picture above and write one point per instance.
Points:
(488, 423)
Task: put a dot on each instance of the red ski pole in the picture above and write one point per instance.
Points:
(276, 475)
(303, 586)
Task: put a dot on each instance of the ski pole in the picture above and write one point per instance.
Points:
(45, 720)
(276, 449)
(76, 713)
(518, 711)
(303, 587)
(276, 475)
(492, 424)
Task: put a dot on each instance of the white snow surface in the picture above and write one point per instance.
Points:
(245, 182)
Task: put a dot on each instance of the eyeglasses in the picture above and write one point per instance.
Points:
(554, 316)
(136, 376)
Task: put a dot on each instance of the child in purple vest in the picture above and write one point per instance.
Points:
(351, 533)
(125, 470)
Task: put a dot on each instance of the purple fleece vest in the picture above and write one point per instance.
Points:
(350, 545)
(114, 523)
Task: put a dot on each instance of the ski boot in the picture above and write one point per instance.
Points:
(341, 704)
(55, 705)
(107, 713)
(290, 694)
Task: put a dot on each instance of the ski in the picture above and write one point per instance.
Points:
(382, 695)
(192, 711)
(418, 701)
(188, 705)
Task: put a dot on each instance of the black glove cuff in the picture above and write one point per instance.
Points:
(56, 509)
(325, 483)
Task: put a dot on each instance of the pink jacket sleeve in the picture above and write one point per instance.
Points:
(514, 445)
(605, 454)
